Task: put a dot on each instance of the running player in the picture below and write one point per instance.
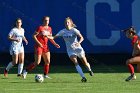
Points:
(131, 33)
(41, 47)
(16, 36)
(74, 48)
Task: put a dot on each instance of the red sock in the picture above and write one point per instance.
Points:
(31, 67)
(131, 68)
(46, 69)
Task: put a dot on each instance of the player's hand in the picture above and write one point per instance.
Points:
(56, 45)
(26, 42)
(40, 45)
(17, 40)
(77, 44)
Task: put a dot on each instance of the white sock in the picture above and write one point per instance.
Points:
(20, 68)
(78, 68)
(88, 67)
(10, 65)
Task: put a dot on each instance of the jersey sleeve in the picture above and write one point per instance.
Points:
(77, 32)
(135, 38)
(11, 33)
(60, 33)
(38, 29)
(50, 30)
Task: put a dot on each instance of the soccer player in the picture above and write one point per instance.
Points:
(16, 36)
(41, 47)
(74, 49)
(131, 33)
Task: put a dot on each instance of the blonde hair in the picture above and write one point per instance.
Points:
(68, 18)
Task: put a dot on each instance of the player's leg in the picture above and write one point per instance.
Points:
(20, 64)
(21, 61)
(32, 65)
(11, 64)
(37, 56)
(46, 58)
(83, 58)
(84, 61)
(73, 58)
(129, 62)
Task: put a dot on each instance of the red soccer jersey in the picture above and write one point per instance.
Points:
(41, 38)
(135, 38)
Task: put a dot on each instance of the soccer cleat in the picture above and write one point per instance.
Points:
(19, 75)
(84, 79)
(132, 77)
(5, 73)
(46, 76)
(91, 73)
(24, 74)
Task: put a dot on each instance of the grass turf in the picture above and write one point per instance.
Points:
(107, 79)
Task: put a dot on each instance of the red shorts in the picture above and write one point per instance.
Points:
(40, 50)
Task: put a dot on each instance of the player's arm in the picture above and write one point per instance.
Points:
(51, 37)
(12, 38)
(136, 44)
(81, 38)
(25, 40)
(136, 48)
(54, 43)
(35, 38)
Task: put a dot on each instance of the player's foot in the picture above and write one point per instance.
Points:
(24, 74)
(19, 75)
(5, 73)
(46, 76)
(91, 73)
(84, 79)
(132, 77)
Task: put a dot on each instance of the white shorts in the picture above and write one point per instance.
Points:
(16, 50)
(77, 52)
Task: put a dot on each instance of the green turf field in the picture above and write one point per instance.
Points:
(107, 79)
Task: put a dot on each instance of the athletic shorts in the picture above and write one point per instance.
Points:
(16, 50)
(77, 52)
(40, 50)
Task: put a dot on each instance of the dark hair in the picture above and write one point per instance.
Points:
(130, 30)
(45, 17)
(16, 21)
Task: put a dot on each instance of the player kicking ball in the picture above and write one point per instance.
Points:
(131, 34)
(74, 48)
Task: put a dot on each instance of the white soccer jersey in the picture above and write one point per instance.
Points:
(70, 38)
(17, 34)
(16, 47)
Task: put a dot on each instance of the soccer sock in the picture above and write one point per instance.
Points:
(88, 67)
(30, 67)
(46, 69)
(20, 68)
(10, 65)
(131, 69)
(78, 68)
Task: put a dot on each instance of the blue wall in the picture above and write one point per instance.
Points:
(100, 21)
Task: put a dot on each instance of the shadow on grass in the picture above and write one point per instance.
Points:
(100, 68)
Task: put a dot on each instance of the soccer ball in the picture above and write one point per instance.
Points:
(39, 78)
